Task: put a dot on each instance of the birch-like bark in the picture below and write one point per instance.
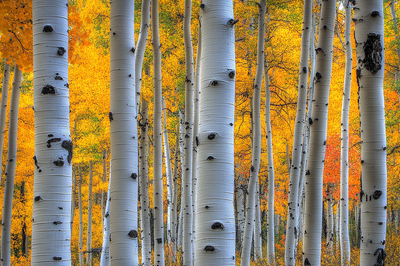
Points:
(141, 48)
(271, 172)
(370, 70)
(89, 227)
(318, 132)
(10, 170)
(215, 225)
(80, 215)
(3, 110)
(344, 155)
(51, 235)
(157, 140)
(168, 173)
(396, 31)
(329, 233)
(187, 247)
(144, 185)
(104, 195)
(73, 199)
(256, 151)
(123, 129)
(257, 237)
(239, 195)
(105, 259)
(295, 167)
(174, 220)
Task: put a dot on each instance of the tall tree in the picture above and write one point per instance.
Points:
(370, 70)
(215, 225)
(256, 151)
(89, 226)
(53, 145)
(123, 129)
(318, 132)
(105, 250)
(3, 109)
(10, 169)
(295, 167)
(157, 140)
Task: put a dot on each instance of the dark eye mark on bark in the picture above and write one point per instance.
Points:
(52, 140)
(48, 89)
(67, 144)
(373, 53)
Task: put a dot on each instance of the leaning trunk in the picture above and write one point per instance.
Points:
(53, 145)
(370, 69)
(215, 225)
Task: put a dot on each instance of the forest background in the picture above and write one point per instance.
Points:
(90, 105)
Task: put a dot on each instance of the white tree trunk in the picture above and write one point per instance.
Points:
(89, 226)
(141, 48)
(271, 173)
(104, 179)
(10, 170)
(395, 27)
(80, 216)
(329, 233)
(123, 131)
(187, 247)
(174, 219)
(157, 140)
(318, 132)
(344, 155)
(239, 193)
(53, 145)
(257, 237)
(144, 186)
(215, 225)
(370, 71)
(105, 259)
(3, 109)
(295, 167)
(256, 150)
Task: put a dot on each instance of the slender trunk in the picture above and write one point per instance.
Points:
(257, 237)
(295, 170)
(89, 228)
(271, 173)
(105, 259)
(73, 199)
(104, 179)
(396, 31)
(157, 150)
(370, 71)
(315, 163)
(344, 155)
(123, 131)
(3, 109)
(10, 169)
(80, 216)
(215, 225)
(240, 213)
(144, 185)
(174, 220)
(24, 242)
(256, 153)
(141, 48)
(329, 233)
(53, 145)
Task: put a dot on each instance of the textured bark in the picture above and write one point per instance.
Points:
(10, 170)
(318, 132)
(215, 225)
(73, 199)
(329, 232)
(53, 145)
(271, 173)
(104, 179)
(239, 195)
(105, 259)
(3, 109)
(157, 140)
(144, 185)
(344, 154)
(256, 149)
(295, 167)
(123, 131)
(174, 219)
(395, 27)
(370, 71)
(257, 236)
(89, 226)
(80, 216)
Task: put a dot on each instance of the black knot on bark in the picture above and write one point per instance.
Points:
(159, 240)
(36, 162)
(210, 158)
(202, 6)
(310, 121)
(133, 234)
(217, 225)
(133, 50)
(377, 194)
(58, 77)
(380, 252)
(252, 168)
(206, 207)
(37, 198)
(209, 248)
(57, 258)
(47, 28)
(374, 13)
(48, 89)
(61, 51)
(67, 144)
(211, 136)
(373, 53)
(57, 222)
(318, 76)
(59, 162)
(187, 136)
(133, 175)
(308, 172)
(110, 115)
(52, 140)
(304, 70)
(232, 74)
(214, 83)
(232, 22)
(307, 262)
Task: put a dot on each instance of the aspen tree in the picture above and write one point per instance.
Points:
(329, 211)
(257, 237)
(318, 132)
(344, 154)
(123, 131)
(215, 225)
(395, 27)
(105, 250)
(368, 17)
(256, 150)
(187, 247)
(3, 108)
(10, 170)
(295, 167)
(89, 226)
(104, 179)
(175, 197)
(80, 216)
(51, 235)
(144, 185)
(157, 140)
